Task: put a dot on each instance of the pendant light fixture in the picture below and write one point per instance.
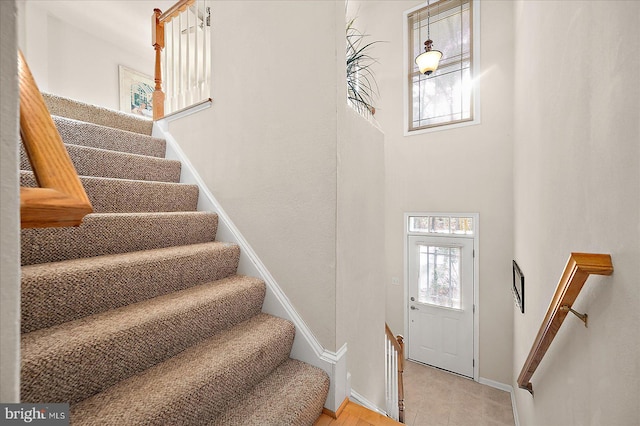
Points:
(428, 60)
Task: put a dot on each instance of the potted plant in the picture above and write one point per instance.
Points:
(361, 82)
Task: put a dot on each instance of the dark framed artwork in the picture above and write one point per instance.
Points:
(518, 286)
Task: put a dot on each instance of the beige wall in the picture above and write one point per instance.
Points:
(360, 298)
(9, 209)
(577, 188)
(457, 170)
(267, 147)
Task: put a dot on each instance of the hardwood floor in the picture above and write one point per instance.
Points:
(356, 415)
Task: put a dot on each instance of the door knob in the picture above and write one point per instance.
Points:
(413, 308)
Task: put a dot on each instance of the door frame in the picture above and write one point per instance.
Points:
(476, 277)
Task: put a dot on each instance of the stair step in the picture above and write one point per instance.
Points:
(293, 394)
(98, 162)
(77, 110)
(134, 231)
(197, 385)
(54, 293)
(78, 359)
(76, 132)
(108, 195)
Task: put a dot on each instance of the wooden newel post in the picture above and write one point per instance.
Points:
(400, 379)
(157, 41)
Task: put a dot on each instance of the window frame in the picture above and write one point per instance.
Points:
(409, 75)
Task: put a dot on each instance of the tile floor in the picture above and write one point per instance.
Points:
(435, 397)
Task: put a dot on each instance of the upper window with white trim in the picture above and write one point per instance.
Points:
(446, 96)
(460, 225)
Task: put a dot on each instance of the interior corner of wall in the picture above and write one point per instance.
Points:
(339, 388)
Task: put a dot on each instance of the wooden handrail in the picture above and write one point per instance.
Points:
(61, 199)
(175, 10)
(393, 339)
(579, 267)
(398, 344)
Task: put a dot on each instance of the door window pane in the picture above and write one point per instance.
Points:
(439, 276)
(441, 225)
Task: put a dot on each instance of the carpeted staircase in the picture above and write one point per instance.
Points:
(138, 316)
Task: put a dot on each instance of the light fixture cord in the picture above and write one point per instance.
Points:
(428, 21)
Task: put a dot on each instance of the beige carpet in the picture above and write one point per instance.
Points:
(138, 316)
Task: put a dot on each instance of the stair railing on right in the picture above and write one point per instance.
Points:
(394, 368)
(578, 269)
(184, 33)
(60, 200)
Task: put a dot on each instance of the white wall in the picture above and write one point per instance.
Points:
(9, 209)
(577, 189)
(73, 53)
(458, 170)
(267, 147)
(360, 298)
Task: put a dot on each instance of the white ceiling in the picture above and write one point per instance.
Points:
(123, 22)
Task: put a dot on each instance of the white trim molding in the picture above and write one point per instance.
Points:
(200, 106)
(476, 278)
(306, 346)
(506, 388)
(359, 399)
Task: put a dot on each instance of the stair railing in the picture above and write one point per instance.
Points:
(578, 269)
(60, 199)
(183, 33)
(394, 369)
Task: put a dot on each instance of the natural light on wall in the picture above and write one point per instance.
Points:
(446, 95)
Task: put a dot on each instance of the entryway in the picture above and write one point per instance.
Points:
(440, 291)
(434, 397)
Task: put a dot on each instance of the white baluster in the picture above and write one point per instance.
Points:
(167, 68)
(180, 62)
(207, 50)
(197, 53)
(188, 35)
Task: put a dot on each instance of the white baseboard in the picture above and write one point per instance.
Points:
(506, 388)
(514, 406)
(359, 399)
(494, 384)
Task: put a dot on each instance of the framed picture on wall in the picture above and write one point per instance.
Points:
(518, 286)
(136, 92)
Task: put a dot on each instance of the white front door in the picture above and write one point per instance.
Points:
(441, 302)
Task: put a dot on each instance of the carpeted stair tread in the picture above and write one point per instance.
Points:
(112, 233)
(77, 110)
(98, 162)
(76, 132)
(77, 359)
(54, 293)
(108, 195)
(293, 394)
(195, 386)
